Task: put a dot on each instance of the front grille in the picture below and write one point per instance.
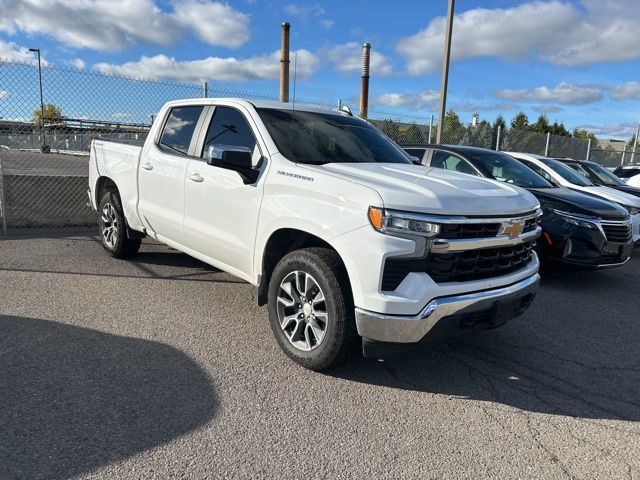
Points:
(617, 232)
(460, 266)
(531, 224)
(478, 264)
(469, 230)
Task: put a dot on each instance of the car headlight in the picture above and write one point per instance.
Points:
(579, 220)
(404, 223)
(632, 210)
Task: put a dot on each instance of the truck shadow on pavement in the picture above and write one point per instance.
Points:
(73, 399)
(575, 353)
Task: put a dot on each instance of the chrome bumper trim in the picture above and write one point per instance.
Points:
(411, 329)
(455, 245)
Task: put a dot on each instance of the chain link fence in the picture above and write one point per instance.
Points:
(44, 148)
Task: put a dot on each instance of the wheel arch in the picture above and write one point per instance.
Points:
(281, 242)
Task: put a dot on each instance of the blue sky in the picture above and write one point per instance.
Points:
(577, 61)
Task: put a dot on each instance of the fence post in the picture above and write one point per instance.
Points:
(546, 147)
(498, 138)
(589, 150)
(430, 127)
(624, 154)
(206, 89)
(635, 143)
(3, 206)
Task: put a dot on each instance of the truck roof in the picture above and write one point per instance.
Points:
(259, 104)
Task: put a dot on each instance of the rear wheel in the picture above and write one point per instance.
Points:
(311, 309)
(113, 228)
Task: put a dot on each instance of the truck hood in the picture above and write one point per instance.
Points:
(418, 188)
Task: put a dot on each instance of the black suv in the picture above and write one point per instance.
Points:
(577, 229)
(600, 175)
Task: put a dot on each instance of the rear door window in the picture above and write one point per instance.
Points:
(178, 129)
(454, 163)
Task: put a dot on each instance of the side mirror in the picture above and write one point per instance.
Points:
(415, 160)
(231, 157)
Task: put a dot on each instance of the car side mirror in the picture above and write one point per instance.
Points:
(231, 157)
(415, 160)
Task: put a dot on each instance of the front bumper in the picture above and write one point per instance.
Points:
(447, 317)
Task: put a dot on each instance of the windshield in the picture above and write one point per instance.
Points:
(567, 173)
(505, 169)
(602, 174)
(318, 138)
(627, 172)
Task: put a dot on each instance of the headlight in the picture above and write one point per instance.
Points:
(632, 210)
(387, 221)
(579, 220)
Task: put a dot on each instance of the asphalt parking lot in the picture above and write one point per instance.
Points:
(164, 367)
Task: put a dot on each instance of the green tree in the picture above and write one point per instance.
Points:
(584, 134)
(391, 129)
(410, 134)
(520, 122)
(541, 125)
(453, 129)
(52, 115)
(559, 129)
(633, 140)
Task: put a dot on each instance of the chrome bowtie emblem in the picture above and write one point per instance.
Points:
(513, 228)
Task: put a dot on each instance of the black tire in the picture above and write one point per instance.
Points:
(340, 335)
(117, 243)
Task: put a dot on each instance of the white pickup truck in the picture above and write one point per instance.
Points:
(342, 234)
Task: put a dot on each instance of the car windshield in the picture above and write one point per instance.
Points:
(505, 169)
(567, 173)
(318, 138)
(602, 174)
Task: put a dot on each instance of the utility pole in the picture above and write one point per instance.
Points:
(364, 83)
(284, 63)
(43, 147)
(445, 70)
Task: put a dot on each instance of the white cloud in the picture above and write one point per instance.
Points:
(484, 107)
(230, 69)
(425, 100)
(347, 58)
(3, 94)
(615, 130)
(629, 90)
(111, 25)
(307, 12)
(563, 93)
(555, 31)
(121, 116)
(215, 23)
(11, 51)
(78, 63)
(547, 108)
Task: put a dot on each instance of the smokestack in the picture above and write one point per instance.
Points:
(364, 86)
(284, 63)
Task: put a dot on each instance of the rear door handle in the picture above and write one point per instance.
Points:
(196, 177)
(147, 166)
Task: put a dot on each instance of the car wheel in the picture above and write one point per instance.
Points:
(113, 228)
(311, 308)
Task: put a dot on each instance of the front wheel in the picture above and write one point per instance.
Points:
(311, 309)
(113, 228)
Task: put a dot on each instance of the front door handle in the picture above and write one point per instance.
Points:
(196, 177)
(147, 166)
